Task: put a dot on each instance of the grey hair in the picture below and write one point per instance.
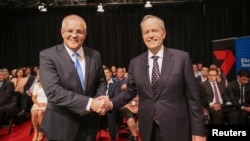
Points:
(69, 17)
(162, 25)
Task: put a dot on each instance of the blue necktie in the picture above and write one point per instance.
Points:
(78, 68)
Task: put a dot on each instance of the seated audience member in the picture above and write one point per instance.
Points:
(113, 89)
(239, 93)
(203, 76)
(30, 80)
(7, 98)
(200, 66)
(114, 71)
(221, 77)
(216, 97)
(19, 82)
(129, 111)
(196, 71)
(120, 77)
(40, 102)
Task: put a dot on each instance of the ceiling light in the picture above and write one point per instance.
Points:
(148, 4)
(42, 7)
(100, 8)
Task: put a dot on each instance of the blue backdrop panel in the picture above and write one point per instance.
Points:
(242, 51)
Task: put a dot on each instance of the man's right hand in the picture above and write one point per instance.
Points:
(101, 105)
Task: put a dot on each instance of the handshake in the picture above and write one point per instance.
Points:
(101, 105)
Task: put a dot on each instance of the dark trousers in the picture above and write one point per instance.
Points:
(112, 123)
(156, 133)
(219, 117)
(243, 119)
(80, 137)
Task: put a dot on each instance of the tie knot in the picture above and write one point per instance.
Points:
(75, 54)
(155, 58)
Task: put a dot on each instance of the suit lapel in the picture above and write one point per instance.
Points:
(69, 64)
(144, 74)
(167, 64)
(87, 66)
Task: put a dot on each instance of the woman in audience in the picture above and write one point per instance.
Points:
(19, 82)
(221, 77)
(40, 102)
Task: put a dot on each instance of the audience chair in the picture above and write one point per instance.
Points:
(8, 124)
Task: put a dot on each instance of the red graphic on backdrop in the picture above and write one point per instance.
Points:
(228, 58)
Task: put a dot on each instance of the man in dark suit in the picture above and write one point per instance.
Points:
(73, 80)
(171, 110)
(203, 76)
(113, 89)
(7, 97)
(216, 97)
(239, 93)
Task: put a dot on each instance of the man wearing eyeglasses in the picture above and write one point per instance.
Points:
(217, 99)
(73, 80)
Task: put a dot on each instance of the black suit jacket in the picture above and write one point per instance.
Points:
(114, 89)
(67, 101)
(233, 91)
(7, 93)
(177, 101)
(7, 97)
(208, 91)
(29, 83)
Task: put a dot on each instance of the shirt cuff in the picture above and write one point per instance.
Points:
(111, 105)
(89, 104)
(211, 104)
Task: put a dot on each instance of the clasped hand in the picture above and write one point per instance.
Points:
(101, 105)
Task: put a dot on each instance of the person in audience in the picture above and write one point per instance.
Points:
(74, 83)
(37, 111)
(216, 97)
(31, 78)
(13, 73)
(35, 68)
(129, 111)
(120, 77)
(239, 93)
(125, 72)
(212, 66)
(203, 76)
(170, 97)
(196, 71)
(19, 83)
(113, 89)
(221, 77)
(7, 98)
(199, 66)
(114, 71)
(7, 74)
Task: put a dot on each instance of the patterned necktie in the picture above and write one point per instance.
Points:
(155, 74)
(216, 94)
(78, 68)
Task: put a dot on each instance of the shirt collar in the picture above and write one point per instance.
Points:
(79, 51)
(159, 53)
(110, 81)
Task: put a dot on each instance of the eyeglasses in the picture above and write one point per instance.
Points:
(77, 32)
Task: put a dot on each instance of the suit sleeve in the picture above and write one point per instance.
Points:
(55, 89)
(193, 99)
(8, 92)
